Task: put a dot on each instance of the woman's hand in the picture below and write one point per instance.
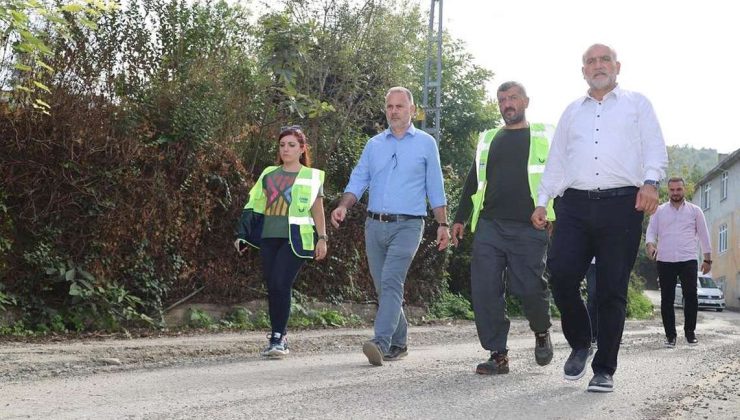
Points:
(321, 250)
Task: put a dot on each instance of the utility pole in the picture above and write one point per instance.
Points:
(433, 75)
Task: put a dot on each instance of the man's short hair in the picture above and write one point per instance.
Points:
(612, 50)
(676, 179)
(400, 89)
(508, 85)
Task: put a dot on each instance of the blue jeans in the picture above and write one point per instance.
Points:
(390, 248)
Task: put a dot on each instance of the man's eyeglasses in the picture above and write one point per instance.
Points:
(290, 127)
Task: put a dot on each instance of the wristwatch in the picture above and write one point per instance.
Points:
(324, 237)
(652, 182)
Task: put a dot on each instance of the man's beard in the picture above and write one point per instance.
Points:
(676, 200)
(516, 119)
(601, 83)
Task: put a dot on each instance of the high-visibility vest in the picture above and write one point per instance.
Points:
(301, 231)
(540, 136)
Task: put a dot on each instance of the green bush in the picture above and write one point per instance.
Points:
(450, 305)
(238, 318)
(261, 321)
(198, 318)
(638, 305)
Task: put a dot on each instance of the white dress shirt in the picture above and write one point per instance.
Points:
(615, 142)
(676, 231)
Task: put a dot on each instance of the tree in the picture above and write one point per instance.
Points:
(25, 25)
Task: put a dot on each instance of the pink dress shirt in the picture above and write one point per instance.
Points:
(677, 231)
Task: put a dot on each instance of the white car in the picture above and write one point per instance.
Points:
(707, 293)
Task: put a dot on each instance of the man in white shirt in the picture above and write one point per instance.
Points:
(604, 165)
(675, 227)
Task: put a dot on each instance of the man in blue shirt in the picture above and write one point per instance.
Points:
(401, 168)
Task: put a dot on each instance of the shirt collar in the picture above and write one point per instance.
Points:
(411, 131)
(616, 93)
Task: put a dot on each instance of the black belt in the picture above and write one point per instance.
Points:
(384, 217)
(598, 194)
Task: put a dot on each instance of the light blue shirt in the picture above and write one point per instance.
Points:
(401, 174)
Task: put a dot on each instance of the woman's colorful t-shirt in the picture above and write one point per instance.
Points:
(277, 186)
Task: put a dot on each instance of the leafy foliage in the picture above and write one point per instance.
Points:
(450, 305)
(638, 305)
(26, 26)
(162, 114)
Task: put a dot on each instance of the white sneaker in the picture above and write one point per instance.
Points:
(278, 347)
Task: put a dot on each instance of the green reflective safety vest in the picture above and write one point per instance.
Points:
(539, 146)
(301, 231)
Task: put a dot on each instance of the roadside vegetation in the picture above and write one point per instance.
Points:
(131, 133)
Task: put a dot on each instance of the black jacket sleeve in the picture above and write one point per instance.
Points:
(465, 207)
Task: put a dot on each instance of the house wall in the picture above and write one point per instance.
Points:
(725, 267)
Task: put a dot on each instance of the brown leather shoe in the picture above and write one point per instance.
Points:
(497, 364)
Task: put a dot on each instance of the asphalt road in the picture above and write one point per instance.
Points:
(327, 376)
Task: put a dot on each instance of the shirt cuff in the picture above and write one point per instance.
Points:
(542, 200)
(652, 174)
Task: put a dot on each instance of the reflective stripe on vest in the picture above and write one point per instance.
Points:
(540, 136)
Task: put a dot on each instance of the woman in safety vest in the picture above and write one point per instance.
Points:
(284, 218)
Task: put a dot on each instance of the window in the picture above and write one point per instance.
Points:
(705, 189)
(722, 238)
(725, 179)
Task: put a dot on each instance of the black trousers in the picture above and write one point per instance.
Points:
(609, 229)
(668, 272)
(280, 268)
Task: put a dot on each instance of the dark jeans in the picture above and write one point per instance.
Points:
(609, 229)
(667, 274)
(591, 300)
(280, 268)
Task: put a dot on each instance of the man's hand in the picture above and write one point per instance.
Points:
(651, 250)
(458, 231)
(705, 268)
(338, 215)
(443, 237)
(539, 218)
(647, 199)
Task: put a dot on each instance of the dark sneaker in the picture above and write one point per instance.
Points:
(373, 353)
(277, 347)
(601, 382)
(543, 348)
(575, 366)
(497, 364)
(670, 342)
(396, 353)
(691, 338)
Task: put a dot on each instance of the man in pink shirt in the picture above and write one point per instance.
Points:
(676, 226)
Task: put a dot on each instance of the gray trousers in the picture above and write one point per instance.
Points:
(391, 247)
(518, 249)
